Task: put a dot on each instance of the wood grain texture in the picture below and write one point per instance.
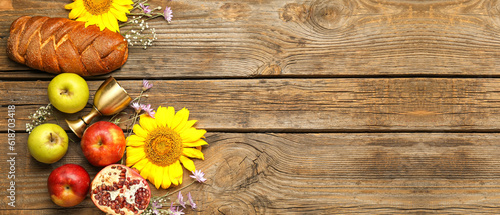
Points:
(314, 173)
(304, 38)
(348, 104)
(312, 106)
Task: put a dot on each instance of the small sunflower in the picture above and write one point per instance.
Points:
(159, 146)
(103, 13)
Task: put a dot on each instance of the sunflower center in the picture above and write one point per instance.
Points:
(97, 7)
(163, 146)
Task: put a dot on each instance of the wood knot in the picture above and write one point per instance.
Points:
(294, 12)
(272, 69)
(493, 10)
(234, 11)
(331, 14)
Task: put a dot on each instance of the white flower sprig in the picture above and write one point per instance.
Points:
(139, 32)
(39, 117)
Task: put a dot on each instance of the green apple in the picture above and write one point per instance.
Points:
(48, 143)
(68, 92)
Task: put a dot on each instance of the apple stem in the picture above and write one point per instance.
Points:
(52, 139)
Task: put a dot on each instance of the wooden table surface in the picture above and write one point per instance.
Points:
(311, 107)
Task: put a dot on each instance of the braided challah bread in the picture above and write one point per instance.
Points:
(58, 45)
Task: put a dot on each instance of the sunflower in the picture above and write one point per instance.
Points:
(103, 13)
(160, 145)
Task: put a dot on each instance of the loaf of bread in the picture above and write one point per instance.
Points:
(58, 45)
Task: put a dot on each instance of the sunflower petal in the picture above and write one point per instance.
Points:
(105, 21)
(134, 155)
(146, 171)
(199, 142)
(187, 163)
(193, 153)
(192, 134)
(175, 172)
(166, 178)
(119, 15)
(100, 22)
(135, 141)
(76, 12)
(139, 131)
(140, 165)
(113, 22)
(124, 2)
(147, 123)
(180, 178)
(188, 125)
(161, 116)
(170, 116)
(84, 17)
(121, 8)
(70, 5)
(90, 20)
(158, 175)
(180, 119)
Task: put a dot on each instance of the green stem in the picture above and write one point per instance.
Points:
(137, 14)
(125, 121)
(113, 117)
(168, 193)
(135, 115)
(154, 16)
(182, 188)
(131, 129)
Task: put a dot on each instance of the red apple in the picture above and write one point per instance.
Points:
(103, 143)
(68, 185)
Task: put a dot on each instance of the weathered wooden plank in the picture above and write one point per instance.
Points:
(346, 104)
(316, 173)
(297, 38)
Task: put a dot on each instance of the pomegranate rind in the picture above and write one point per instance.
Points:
(117, 189)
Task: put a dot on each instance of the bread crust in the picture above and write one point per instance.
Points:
(60, 45)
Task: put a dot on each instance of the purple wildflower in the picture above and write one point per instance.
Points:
(156, 206)
(167, 14)
(180, 199)
(191, 202)
(199, 176)
(148, 110)
(175, 210)
(137, 107)
(145, 8)
(146, 85)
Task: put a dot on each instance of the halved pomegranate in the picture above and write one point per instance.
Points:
(117, 189)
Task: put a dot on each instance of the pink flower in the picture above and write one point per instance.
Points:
(167, 14)
(145, 8)
(191, 202)
(148, 110)
(137, 107)
(146, 85)
(156, 206)
(180, 200)
(175, 210)
(199, 176)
